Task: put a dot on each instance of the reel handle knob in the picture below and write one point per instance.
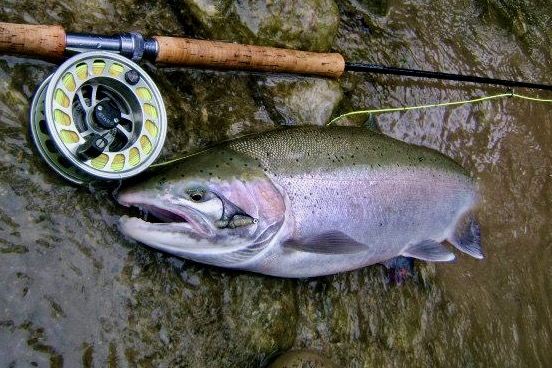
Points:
(93, 147)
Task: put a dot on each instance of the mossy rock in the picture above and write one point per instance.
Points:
(307, 25)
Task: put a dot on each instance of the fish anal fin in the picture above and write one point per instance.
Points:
(332, 242)
(399, 270)
(429, 250)
(467, 237)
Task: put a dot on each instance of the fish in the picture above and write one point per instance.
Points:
(307, 201)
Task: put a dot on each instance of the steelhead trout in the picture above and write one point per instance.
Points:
(307, 201)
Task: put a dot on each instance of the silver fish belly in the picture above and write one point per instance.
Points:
(309, 201)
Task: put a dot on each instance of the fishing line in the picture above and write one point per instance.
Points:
(440, 104)
(405, 108)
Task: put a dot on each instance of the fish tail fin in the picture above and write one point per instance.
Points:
(467, 236)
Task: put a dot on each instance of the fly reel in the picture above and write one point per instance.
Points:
(99, 116)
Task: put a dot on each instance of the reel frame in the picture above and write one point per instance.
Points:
(99, 116)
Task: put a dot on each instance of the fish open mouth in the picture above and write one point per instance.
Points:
(164, 217)
(153, 214)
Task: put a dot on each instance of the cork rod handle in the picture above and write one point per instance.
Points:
(36, 40)
(223, 55)
(51, 41)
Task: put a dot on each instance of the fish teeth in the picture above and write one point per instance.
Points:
(144, 214)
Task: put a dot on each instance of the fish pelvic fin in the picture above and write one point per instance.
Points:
(467, 236)
(429, 250)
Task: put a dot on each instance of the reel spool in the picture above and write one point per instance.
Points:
(99, 116)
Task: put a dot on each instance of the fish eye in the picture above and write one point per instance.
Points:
(196, 195)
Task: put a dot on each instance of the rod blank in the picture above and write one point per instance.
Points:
(382, 69)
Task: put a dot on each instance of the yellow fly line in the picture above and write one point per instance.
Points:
(406, 108)
(441, 104)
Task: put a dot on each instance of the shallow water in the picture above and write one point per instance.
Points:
(76, 293)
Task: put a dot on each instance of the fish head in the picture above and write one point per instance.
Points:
(215, 207)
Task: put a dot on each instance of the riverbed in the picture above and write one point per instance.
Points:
(75, 292)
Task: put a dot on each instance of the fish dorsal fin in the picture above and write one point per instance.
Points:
(467, 237)
(331, 242)
(429, 250)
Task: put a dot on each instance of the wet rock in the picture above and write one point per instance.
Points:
(95, 16)
(303, 358)
(378, 7)
(524, 19)
(307, 25)
(196, 316)
(206, 107)
(64, 264)
(297, 101)
(260, 312)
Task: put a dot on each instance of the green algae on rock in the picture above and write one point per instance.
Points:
(309, 25)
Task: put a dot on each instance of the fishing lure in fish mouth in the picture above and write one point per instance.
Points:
(232, 216)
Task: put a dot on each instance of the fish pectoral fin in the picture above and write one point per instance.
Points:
(467, 237)
(332, 242)
(429, 250)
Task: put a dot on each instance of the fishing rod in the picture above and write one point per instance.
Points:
(54, 42)
(99, 116)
